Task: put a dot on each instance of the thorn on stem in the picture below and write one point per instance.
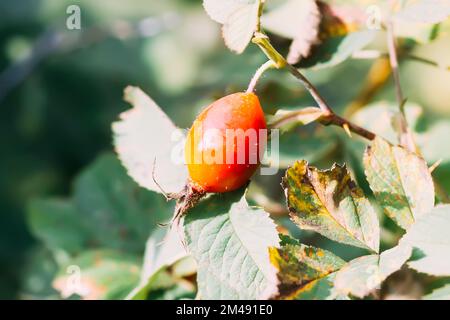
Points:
(347, 129)
(435, 165)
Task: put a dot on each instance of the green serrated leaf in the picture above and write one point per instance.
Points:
(304, 272)
(146, 142)
(97, 275)
(108, 210)
(240, 19)
(58, 224)
(400, 180)
(119, 213)
(330, 203)
(230, 241)
(430, 235)
(442, 293)
(365, 274)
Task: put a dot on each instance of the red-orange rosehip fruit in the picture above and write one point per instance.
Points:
(223, 146)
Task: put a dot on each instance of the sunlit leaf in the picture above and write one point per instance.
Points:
(329, 202)
(365, 274)
(429, 234)
(230, 241)
(303, 271)
(298, 20)
(146, 142)
(240, 19)
(400, 180)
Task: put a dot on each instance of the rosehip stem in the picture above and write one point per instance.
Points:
(329, 117)
(311, 89)
(404, 133)
(266, 66)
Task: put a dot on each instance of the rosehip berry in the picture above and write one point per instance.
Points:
(223, 146)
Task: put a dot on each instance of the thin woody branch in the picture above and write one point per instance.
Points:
(328, 116)
(401, 124)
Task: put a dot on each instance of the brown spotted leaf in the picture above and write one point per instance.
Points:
(400, 180)
(303, 272)
(330, 203)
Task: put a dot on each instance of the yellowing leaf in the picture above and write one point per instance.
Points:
(400, 180)
(303, 270)
(298, 20)
(146, 141)
(330, 203)
(240, 19)
(364, 274)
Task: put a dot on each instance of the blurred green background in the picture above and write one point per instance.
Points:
(61, 89)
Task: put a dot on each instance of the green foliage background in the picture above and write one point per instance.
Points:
(56, 120)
